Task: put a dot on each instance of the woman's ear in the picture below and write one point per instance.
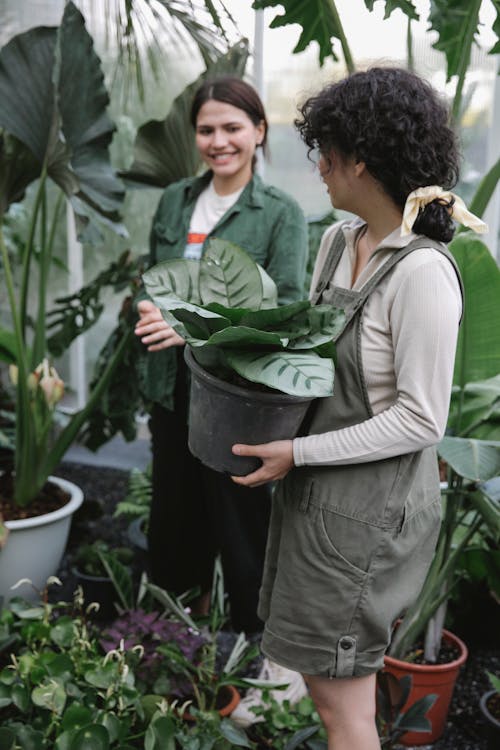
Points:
(359, 168)
(260, 133)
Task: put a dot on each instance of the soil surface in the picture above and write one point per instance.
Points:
(103, 488)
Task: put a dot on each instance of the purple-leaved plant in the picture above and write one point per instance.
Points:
(149, 630)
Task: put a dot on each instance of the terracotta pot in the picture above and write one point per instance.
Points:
(227, 700)
(430, 678)
(491, 723)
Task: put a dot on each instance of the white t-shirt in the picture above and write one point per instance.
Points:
(408, 338)
(209, 210)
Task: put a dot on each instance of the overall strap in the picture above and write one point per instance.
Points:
(331, 262)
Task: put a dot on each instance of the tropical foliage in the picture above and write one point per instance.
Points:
(224, 307)
(471, 449)
(57, 129)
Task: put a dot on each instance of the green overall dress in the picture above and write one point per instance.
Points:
(349, 545)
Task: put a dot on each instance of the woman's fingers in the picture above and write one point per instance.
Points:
(276, 457)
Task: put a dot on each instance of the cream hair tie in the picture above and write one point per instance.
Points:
(424, 195)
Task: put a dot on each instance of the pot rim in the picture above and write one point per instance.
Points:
(236, 390)
(76, 499)
(483, 702)
(448, 667)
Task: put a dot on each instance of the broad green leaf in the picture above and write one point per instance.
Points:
(178, 278)
(91, 737)
(229, 276)
(487, 502)
(269, 290)
(53, 100)
(7, 739)
(29, 738)
(18, 168)
(414, 719)
(325, 325)
(296, 374)
(457, 26)
(477, 460)
(478, 351)
(160, 734)
(200, 326)
(234, 734)
(406, 6)
(50, 695)
(478, 406)
(76, 716)
(63, 632)
(319, 20)
(263, 319)
(165, 150)
(487, 186)
(300, 736)
(82, 103)
(240, 336)
(234, 314)
(27, 96)
(7, 346)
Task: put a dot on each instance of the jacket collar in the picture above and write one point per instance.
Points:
(253, 194)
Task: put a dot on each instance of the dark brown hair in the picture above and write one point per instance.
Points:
(397, 124)
(234, 91)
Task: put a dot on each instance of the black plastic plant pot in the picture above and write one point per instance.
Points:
(490, 709)
(98, 589)
(222, 414)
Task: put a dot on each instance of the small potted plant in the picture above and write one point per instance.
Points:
(471, 456)
(65, 141)
(92, 575)
(255, 367)
(490, 710)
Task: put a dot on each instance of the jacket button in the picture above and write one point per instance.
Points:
(346, 645)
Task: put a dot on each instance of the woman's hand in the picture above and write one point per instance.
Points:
(153, 330)
(276, 457)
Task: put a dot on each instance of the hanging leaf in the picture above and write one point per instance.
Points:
(477, 460)
(318, 18)
(406, 6)
(457, 26)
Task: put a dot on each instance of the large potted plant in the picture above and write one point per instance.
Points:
(59, 131)
(255, 367)
(471, 455)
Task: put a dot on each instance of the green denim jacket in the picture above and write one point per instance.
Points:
(264, 221)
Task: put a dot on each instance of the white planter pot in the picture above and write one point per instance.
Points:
(35, 546)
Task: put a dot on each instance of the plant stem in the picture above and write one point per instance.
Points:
(349, 62)
(464, 61)
(28, 252)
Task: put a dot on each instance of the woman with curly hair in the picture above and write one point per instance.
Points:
(356, 515)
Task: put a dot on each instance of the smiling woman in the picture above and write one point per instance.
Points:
(197, 512)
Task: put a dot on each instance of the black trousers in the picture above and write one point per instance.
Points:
(197, 513)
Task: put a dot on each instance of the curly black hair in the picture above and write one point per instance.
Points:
(397, 124)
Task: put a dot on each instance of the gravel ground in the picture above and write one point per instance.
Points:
(104, 487)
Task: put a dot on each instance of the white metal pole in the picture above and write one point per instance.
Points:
(258, 70)
(492, 213)
(77, 376)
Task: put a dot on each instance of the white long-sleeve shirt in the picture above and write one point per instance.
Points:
(408, 341)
